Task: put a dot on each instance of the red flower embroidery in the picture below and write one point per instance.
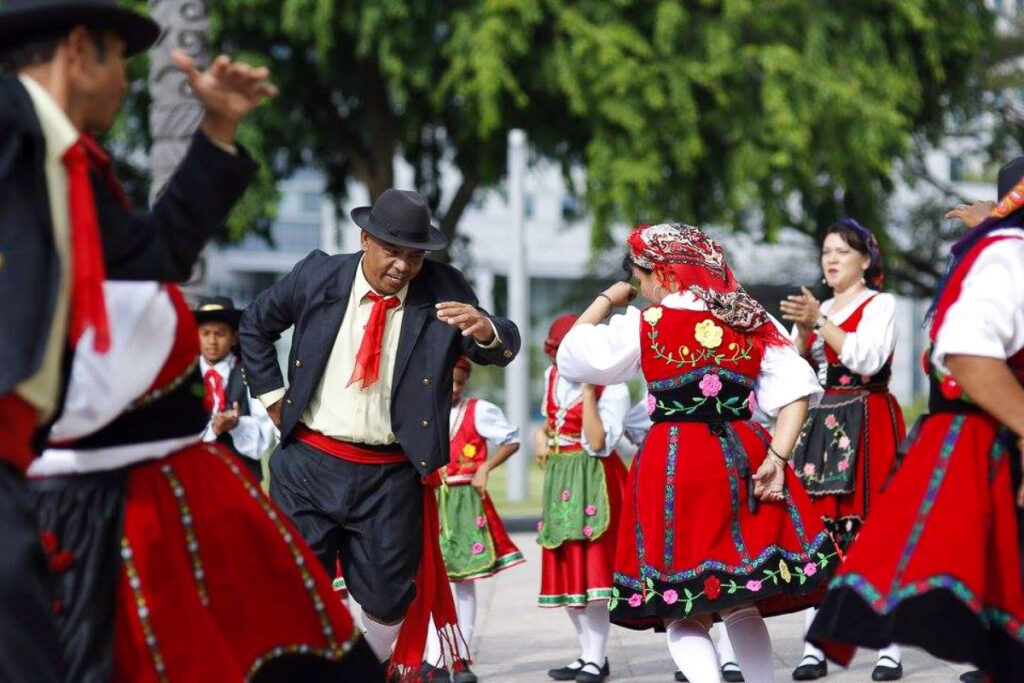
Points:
(49, 541)
(62, 561)
(712, 587)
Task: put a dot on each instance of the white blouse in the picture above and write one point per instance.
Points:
(987, 318)
(611, 408)
(865, 350)
(489, 420)
(609, 353)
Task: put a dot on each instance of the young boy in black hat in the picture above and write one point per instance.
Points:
(237, 420)
(65, 227)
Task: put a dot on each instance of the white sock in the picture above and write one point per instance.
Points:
(810, 650)
(465, 608)
(432, 653)
(753, 646)
(724, 646)
(381, 637)
(693, 652)
(595, 622)
(576, 617)
(890, 651)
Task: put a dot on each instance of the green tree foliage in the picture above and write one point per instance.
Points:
(751, 113)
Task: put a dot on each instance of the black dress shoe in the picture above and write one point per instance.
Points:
(732, 674)
(886, 671)
(975, 676)
(462, 673)
(434, 674)
(811, 671)
(681, 677)
(586, 673)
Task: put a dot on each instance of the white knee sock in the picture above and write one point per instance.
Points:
(465, 607)
(890, 651)
(810, 650)
(595, 622)
(724, 646)
(693, 652)
(432, 653)
(576, 617)
(381, 637)
(749, 637)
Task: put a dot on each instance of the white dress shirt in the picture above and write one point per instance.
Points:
(255, 432)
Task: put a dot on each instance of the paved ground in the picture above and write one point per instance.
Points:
(518, 641)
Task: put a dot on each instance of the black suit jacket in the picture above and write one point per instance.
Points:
(162, 245)
(313, 298)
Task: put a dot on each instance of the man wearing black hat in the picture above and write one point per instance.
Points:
(237, 420)
(364, 416)
(64, 227)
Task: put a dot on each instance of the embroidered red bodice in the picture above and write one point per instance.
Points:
(697, 368)
(468, 448)
(837, 374)
(565, 421)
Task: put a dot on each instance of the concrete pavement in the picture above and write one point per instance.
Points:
(517, 641)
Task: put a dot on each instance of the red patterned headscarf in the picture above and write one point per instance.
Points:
(559, 328)
(697, 263)
(464, 364)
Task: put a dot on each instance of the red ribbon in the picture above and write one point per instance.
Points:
(88, 308)
(367, 369)
(214, 396)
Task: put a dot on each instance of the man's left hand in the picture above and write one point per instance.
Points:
(470, 321)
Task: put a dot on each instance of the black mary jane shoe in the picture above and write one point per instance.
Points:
(887, 672)
(681, 677)
(812, 670)
(566, 673)
(732, 674)
(584, 675)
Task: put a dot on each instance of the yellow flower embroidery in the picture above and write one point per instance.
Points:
(469, 451)
(708, 334)
(784, 571)
(653, 315)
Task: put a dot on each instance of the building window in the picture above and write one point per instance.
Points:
(528, 205)
(311, 202)
(956, 170)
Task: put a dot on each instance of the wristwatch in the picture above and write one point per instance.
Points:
(821, 322)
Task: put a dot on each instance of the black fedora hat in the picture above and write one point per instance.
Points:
(22, 20)
(402, 218)
(217, 309)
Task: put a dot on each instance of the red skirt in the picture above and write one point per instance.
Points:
(216, 585)
(689, 542)
(884, 430)
(577, 572)
(938, 564)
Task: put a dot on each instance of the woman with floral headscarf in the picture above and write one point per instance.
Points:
(584, 482)
(715, 524)
(849, 442)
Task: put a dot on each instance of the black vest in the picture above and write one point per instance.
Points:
(235, 392)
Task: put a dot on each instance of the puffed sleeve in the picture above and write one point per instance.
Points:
(491, 423)
(987, 319)
(638, 422)
(784, 377)
(604, 354)
(103, 385)
(611, 408)
(866, 350)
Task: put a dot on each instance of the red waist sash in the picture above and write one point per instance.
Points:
(345, 450)
(18, 425)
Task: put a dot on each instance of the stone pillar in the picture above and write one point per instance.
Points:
(174, 114)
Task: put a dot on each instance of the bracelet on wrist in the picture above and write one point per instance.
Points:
(820, 323)
(607, 298)
(775, 454)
